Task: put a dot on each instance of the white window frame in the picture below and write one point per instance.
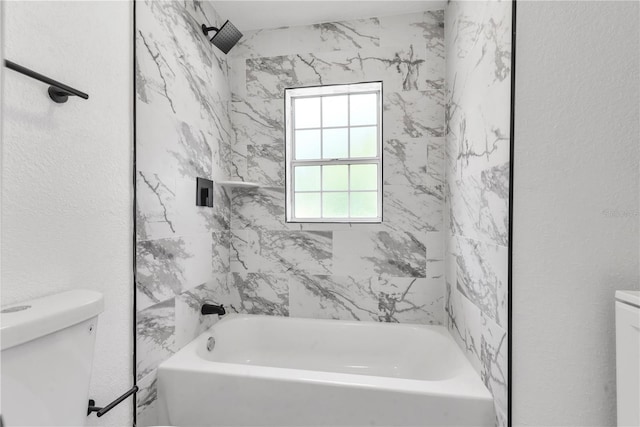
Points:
(323, 91)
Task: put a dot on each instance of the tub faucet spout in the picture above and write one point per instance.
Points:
(213, 309)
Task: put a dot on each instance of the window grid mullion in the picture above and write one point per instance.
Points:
(321, 128)
(352, 92)
(349, 154)
(339, 127)
(349, 189)
(379, 149)
(321, 191)
(321, 155)
(349, 126)
(336, 191)
(367, 160)
(293, 156)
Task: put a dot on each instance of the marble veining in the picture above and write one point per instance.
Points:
(189, 322)
(476, 187)
(265, 164)
(259, 293)
(360, 34)
(402, 67)
(221, 217)
(410, 209)
(166, 267)
(322, 37)
(155, 332)
(262, 208)
(478, 127)
(381, 253)
(484, 342)
(220, 251)
(405, 162)
(161, 65)
(391, 271)
(147, 400)
(410, 300)
(184, 131)
(281, 251)
(155, 206)
(414, 114)
(258, 121)
(159, 272)
(439, 256)
(481, 271)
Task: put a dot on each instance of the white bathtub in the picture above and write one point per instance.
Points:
(278, 371)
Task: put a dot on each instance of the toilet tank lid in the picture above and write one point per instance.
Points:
(33, 319)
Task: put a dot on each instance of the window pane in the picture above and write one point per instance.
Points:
(364, 177)
(333, 150)
(364, 142)
(335, 178)
(307, 113)
(307, 205)
(334, 111)
(307, 178)
(364, 109)
(307, 144)
(335, 205)
(364, 205)
(335, 143)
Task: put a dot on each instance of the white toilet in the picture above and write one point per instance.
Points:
(47, 353)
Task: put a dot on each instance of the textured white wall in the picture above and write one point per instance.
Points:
(66, 178)
(575, 206)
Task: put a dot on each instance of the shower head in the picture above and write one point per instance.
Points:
(225, 38)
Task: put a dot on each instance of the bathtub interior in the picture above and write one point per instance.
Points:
(413, 352)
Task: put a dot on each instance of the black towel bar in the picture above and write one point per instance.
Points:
(101, 411)
(59, 92)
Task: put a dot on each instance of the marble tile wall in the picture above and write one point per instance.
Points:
(183, 132)
(478, 55)
(445, 183)
(389, 272)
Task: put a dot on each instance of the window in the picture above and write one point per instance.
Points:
(334, 153)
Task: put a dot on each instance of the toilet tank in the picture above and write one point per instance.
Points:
(47, 353)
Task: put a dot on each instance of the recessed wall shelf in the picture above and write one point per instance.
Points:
(238, 184)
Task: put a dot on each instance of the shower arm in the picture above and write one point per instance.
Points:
(206, 29)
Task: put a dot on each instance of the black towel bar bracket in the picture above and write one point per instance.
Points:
(101, 411)
(58, 92)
